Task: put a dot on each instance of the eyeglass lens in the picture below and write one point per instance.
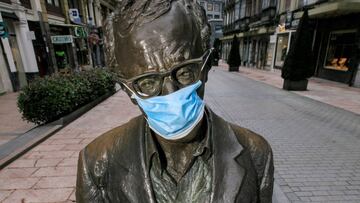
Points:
(182, 76)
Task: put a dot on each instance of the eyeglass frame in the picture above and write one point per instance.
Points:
(130, 82)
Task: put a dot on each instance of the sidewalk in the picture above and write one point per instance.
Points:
(336, 94)
(47, 173)
(11, 123)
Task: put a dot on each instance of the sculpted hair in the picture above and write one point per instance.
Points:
(132, 13)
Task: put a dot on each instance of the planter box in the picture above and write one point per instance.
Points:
(234, 68)
(300, 85)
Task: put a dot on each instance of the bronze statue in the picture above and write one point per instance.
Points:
(178, 150)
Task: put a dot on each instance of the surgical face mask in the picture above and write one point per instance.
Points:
(173, 116)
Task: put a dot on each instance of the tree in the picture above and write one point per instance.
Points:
(299, 63)
(234, 60)
(216, 52)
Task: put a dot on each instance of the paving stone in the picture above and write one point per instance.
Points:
(23, 163)
(4, 194)
(69, 162)
(39, 195)
(56, 171)
(16, 172)
(56, 182)
(17, 183)
(48, 162)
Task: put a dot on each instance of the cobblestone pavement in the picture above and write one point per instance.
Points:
(11, 123)
(316, 146)
(326, 91)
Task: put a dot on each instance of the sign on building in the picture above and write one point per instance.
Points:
(74, 15)
(62, 39)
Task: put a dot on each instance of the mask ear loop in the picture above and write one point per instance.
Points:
(207, 58)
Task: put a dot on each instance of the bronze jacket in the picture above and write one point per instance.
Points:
(112, 168)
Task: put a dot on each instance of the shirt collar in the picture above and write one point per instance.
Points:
(204, 149)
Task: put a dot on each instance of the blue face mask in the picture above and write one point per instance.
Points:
(173, 116)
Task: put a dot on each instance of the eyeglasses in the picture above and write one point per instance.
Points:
(183, 74)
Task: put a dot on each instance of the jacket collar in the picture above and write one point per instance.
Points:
(225, 149)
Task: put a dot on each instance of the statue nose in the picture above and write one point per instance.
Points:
(168, 86)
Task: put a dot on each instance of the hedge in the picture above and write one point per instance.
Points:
(47, 99)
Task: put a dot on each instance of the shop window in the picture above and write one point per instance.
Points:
(210, 7)
(281, 49)
(341, 46)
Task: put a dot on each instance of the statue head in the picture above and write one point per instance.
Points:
(146, 37)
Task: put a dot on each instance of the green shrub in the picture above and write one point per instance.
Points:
(47, 99)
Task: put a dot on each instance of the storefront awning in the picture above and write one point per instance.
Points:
(66, 25)
(260, 31)
(335, 9)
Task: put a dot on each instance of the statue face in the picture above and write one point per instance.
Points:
(159, 45)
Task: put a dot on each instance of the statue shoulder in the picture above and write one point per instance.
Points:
(117, 142)
(251, 140)
(262, 158)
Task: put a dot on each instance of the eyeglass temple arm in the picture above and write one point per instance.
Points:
(207, 58)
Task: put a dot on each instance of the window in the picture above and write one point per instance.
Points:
(202, 4)
(26, 3)
(210, 16)
(218, 27)
(265, 4)
(248, 8)
(237, 10)
(216, 16)
(54, 7)
(56, 3)
(287, 5)
(341, 46)
(210, 7)
(242, 9)
(216, 7)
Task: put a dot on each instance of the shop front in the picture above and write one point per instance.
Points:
(337, 45)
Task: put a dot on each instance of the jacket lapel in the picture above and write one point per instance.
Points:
(134, 179)
(228, 174)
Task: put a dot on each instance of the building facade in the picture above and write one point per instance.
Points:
(253, 22)
(335, 37)
(213, 9)
(42, 37)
